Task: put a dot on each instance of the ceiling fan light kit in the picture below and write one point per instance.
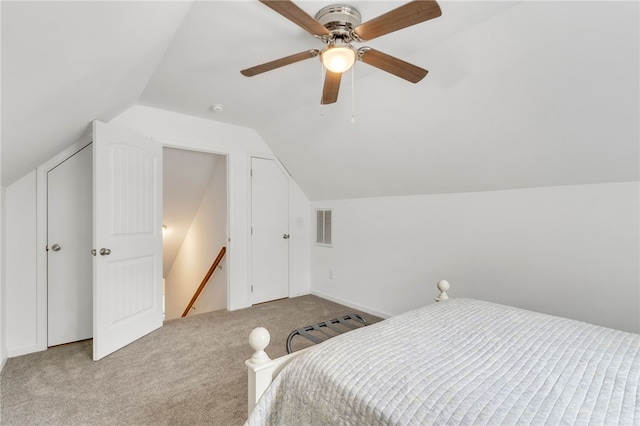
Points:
(339, 57)
(340, 25)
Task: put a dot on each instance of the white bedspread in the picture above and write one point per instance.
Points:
(462, 362)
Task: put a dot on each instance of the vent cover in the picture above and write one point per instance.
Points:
(323, 227)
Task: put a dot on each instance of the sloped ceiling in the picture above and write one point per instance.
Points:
(519, 94)
(65, 64)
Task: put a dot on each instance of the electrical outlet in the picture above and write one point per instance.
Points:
(330, 274)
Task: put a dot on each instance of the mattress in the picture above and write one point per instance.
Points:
(462, 362)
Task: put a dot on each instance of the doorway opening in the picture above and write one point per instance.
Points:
(194, 230)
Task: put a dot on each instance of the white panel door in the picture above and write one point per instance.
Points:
(269, 231)
(69, 243)
(127, 280)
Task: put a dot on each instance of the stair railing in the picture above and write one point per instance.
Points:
(205, 280)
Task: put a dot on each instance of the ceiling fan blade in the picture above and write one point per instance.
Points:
(298, 16)
(287, 60)
(391, 64)
(331, 87)
(404, 16)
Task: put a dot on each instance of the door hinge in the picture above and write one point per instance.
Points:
(251, 173)
(252, 230)
(251, 288)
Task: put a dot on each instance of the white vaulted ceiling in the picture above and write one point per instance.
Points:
(67, 63)
(519, 94)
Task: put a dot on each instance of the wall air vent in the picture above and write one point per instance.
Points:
(323, 227)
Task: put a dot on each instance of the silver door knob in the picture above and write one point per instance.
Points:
(93, 252)
(105, 252)
(56, 247)
(285, 236)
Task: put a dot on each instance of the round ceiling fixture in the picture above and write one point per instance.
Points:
(338, 57)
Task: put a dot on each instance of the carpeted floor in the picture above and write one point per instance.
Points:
(189, 372)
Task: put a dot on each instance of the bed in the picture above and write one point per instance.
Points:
(457, 362)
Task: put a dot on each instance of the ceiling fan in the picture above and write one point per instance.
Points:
(338, 26)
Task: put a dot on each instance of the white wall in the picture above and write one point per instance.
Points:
(204, 239)
(299, 243)
(571, 251)
(3, 344)
(21, 325)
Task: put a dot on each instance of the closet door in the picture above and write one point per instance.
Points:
(269, 231)
(127, 269)
(69, 242)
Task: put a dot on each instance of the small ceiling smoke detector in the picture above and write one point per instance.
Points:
(217, 107)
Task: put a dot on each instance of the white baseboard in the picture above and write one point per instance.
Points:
(298, 294)
(241, 305)
(350, 304)
(25, 350)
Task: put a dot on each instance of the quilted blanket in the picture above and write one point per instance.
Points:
(462, 362)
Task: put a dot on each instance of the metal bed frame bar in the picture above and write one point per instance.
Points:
(343, 320)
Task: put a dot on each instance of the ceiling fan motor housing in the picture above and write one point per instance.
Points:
(340, 20)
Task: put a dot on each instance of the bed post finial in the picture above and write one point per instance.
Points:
(443, 286)
(261, 370)
(259, 339)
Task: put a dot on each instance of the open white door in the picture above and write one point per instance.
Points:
(127, 237)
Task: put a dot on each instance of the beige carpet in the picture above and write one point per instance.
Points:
(189, 372)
